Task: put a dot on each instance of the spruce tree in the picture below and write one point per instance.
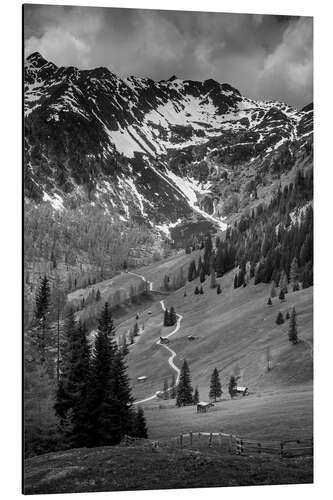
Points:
(196, 291)
(283, 283)
(64, 395)
(109, 398)
(140, 427)
(166, 321)
(196, 397)
(200, 267)
(42, 300)
(165, 389)
(98, 295)
(287, 315)
(77, 387)
(121, 399)
(184, 388)
(191, 271)
(42, 316)
(202, 275)
(40, 421)
(215, 390)
(281, 295)
(208, 254)
(201, 290)
(135, 330)
(294, 274)
(232, 387)
(269, 301)
(172, 316)
(292, 331)
(279, 319)
(218, 289)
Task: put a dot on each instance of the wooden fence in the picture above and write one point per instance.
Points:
(223, 442)
(236, 444)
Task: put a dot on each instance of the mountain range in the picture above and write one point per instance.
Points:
(159, 152)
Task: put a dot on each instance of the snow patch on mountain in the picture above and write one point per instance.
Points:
(190, 189)
(165, 228)
(56, 201)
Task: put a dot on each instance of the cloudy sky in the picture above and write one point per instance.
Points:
(265, 57)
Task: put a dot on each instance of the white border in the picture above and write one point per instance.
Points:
(10, 245)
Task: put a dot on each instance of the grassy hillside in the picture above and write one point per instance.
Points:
(234, 331)
(137, 468)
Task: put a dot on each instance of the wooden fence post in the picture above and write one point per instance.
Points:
(259, 448)
(191, 438)
(210, 440)
(181, 441)
(281, 448)
(239, 446)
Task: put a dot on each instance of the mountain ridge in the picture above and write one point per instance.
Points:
(139, 148)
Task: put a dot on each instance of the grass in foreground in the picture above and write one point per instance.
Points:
(137, 468)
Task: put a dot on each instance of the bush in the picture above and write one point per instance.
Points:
(280, 319)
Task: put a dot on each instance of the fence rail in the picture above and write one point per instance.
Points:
(231, 443)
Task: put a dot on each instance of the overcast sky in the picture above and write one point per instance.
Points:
(265, 57)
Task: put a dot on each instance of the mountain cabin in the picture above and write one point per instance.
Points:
(242, 391)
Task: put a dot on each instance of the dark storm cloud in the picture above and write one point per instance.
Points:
(265, 57)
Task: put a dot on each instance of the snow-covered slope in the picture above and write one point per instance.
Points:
(135, 146)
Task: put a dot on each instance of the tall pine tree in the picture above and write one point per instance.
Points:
(78, 387)
(41, 322)
(232, 387)
(294, 273)
(64, 395)
(215, 390)
(140, 427)
(109, 398)
(184, 388)
(292, 331)
(173, 316)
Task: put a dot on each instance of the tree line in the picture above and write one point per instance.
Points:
(76, 389)
(266, 244)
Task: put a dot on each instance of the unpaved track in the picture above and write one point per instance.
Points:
(158, 342)
(150, 283)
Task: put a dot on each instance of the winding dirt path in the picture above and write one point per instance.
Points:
(158, 342)
(150, 283)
